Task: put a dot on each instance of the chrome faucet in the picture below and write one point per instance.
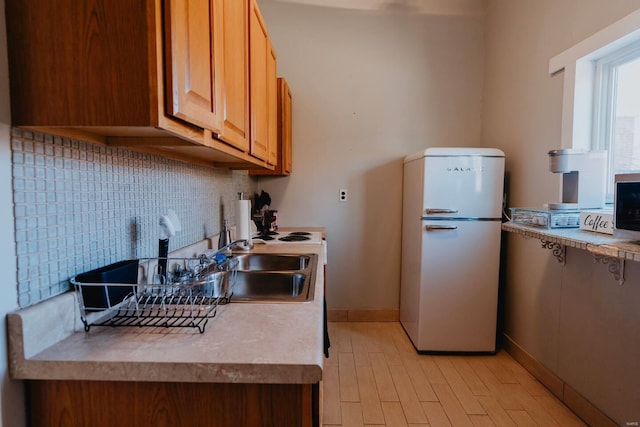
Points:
(244, 244)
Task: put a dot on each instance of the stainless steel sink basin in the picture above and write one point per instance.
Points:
(269, 286)
(272, 262)
(260, 278)
(273, 278)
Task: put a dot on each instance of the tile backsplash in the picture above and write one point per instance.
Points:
(79, 206)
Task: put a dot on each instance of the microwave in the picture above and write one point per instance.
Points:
(626, 206)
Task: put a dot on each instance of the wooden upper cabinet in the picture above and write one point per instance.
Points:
(284, 122)
(259, 88)
(235, 87)
(167, 77)
(285, 126)
(193, 49)
(209, 73)
(272, 105)
(81, 63)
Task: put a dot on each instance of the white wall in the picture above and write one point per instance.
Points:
(369, 87)
(12, 411)
(575, 319)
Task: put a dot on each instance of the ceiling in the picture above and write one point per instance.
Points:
(426, 7)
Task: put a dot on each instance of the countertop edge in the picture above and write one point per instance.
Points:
(168, 372)
(596, 243)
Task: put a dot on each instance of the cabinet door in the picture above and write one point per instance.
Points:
(285, 125)
(284, 132)
(235, 42)
(193, 87)
(272, 106)
(258, 43)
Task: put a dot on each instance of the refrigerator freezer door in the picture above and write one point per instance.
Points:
(458, 289)
(467, 186)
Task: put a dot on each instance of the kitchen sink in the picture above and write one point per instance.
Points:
(273, 277)
(264, 278)
(272, 262)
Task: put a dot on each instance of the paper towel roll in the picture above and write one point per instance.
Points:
(243, 219)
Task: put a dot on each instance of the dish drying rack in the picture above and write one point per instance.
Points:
(134, 293)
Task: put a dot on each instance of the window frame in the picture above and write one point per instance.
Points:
(605, 100)
(578, 66)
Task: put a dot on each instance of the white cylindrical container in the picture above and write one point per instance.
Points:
(243, 220)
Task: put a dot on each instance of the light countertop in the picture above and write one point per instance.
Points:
(597, 243)
(244, 343)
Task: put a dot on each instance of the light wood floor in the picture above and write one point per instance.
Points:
(375, 377)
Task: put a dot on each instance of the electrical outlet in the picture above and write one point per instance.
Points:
(343, 196)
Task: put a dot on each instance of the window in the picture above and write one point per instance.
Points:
(601, 95)
(616, 120)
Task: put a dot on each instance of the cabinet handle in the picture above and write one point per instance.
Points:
(440, 227)
(440, 211)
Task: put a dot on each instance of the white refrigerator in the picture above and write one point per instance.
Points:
(451, 226)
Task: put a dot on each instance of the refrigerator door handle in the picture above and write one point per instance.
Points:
(440, 227)
(429, 211)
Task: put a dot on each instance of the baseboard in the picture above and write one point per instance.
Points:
(586, 410)
(541, 373)
(363, 315)
(338, 315)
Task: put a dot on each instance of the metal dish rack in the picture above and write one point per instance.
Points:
(188, 297)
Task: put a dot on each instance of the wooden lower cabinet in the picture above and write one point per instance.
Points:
(158, 404)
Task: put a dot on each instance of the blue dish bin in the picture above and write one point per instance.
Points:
(97, 297)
